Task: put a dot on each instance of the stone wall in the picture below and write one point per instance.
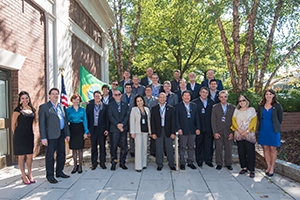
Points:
(290, 121)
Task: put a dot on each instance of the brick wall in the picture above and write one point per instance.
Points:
(290, 121)
(85, 56)
(85, 22)
(24, 33)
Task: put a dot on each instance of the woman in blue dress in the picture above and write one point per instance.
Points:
(270, 116)
(79, 131)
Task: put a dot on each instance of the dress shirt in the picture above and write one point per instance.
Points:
(105, 100)
(162, 111)
(97, 109)
(155, 90)
(78, 116)
(60, 115)
(204, 102)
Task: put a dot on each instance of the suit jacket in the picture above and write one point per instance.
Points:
(195, 92)
(102, 118)
(172, 99)
(110, 99)
(144, 81)
(115, 117)
(206, 83)
(216, 98)
(131, 101)
(169, 121)
(205, 118)
(49, 122)
(188, 126)
(174, 85)
(216, 119)
(135, 120)
(277, 116)
(160, 88)
(152, 102)
(121, 84)
(179, 93)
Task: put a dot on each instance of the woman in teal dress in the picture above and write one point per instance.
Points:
(79, 130)
(270, 116)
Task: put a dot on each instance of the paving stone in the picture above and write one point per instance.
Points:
(117, 195)
(44, 193)
(192, 195)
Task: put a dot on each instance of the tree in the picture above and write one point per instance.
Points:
(242, 51)
(124, 9)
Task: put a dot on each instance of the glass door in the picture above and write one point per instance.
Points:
(4, 116)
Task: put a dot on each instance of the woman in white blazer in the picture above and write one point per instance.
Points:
(139, 130)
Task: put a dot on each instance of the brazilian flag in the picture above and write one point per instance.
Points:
(88, 85)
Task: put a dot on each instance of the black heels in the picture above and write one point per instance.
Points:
(75, 170)
(79, 169)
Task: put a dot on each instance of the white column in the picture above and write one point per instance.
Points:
(104, 59)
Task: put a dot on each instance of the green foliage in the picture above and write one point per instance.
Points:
(290, 100)
(250, 94)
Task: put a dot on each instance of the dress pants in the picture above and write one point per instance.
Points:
(116, 139)
(223, 143)
(131, 144)
(204, 147)
(140, 158)
(98, 138)
(246, 152)
(57, 145)
(162, 143)
(189, 141)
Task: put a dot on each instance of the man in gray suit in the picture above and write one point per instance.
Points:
(172, 98)
(221, 121)
(54, 131)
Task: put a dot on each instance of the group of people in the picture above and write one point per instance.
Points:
(200, 113)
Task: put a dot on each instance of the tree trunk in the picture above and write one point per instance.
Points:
(259, 85)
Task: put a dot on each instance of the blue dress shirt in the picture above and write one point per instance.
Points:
(78, 117)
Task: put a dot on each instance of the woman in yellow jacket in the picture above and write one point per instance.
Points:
(244, 121)
(139, 130)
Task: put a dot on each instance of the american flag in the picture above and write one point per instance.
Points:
(63, 96)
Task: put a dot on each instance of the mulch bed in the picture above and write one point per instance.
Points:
(290, 147)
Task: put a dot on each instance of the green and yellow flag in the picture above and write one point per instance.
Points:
(88, 84)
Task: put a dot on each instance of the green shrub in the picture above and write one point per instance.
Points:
(251, 95)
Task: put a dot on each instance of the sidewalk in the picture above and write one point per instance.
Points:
(202, 183)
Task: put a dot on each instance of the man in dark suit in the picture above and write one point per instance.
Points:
(137, 89)
(54, 131)
(175, 81)
(210, 74)
(118, 113)
(182, 88)
(221, 121)
(96, 112)
(213, 92)
(172, 99)
(204, 141)
(187, 125)
(126, 79)
(147, 80)
(193, 86)
(163, 131)
(106, 98)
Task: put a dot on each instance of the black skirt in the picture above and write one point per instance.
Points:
(76, 139)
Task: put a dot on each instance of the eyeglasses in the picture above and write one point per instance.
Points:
(242, 100)
(115, 84)
(117, 94)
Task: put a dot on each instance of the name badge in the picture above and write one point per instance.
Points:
(223, 119)
(143, 121)
(188, 115)
(203, 111)
(96, 116)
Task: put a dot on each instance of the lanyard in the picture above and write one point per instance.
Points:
(162, 111)
(225, 111)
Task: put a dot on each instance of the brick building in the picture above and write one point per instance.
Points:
(37, 39)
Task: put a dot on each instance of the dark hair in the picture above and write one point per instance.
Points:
(186, 91)
(213, 80)
(128, 84)
(105, 86)
(274, 100)
(148, 86)
(29, 103)
(135, 99)
(177, 70)
(97, 92)
(75, 96)
(53, 89)
(204, 88)
(238, 103)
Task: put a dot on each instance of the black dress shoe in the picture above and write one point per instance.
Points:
(123, 166)
(144, 167)
(93, 167)
(229, 167)
(80, 170)
(182, 167)
(113, 167)
(200, 165)
(192, 166)
(75, 169)
(173, 168)
(102, 165)
(138, 170)
(159, 168)
(63, 176)
(209, 164)
(52, 180)
(219, 167)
